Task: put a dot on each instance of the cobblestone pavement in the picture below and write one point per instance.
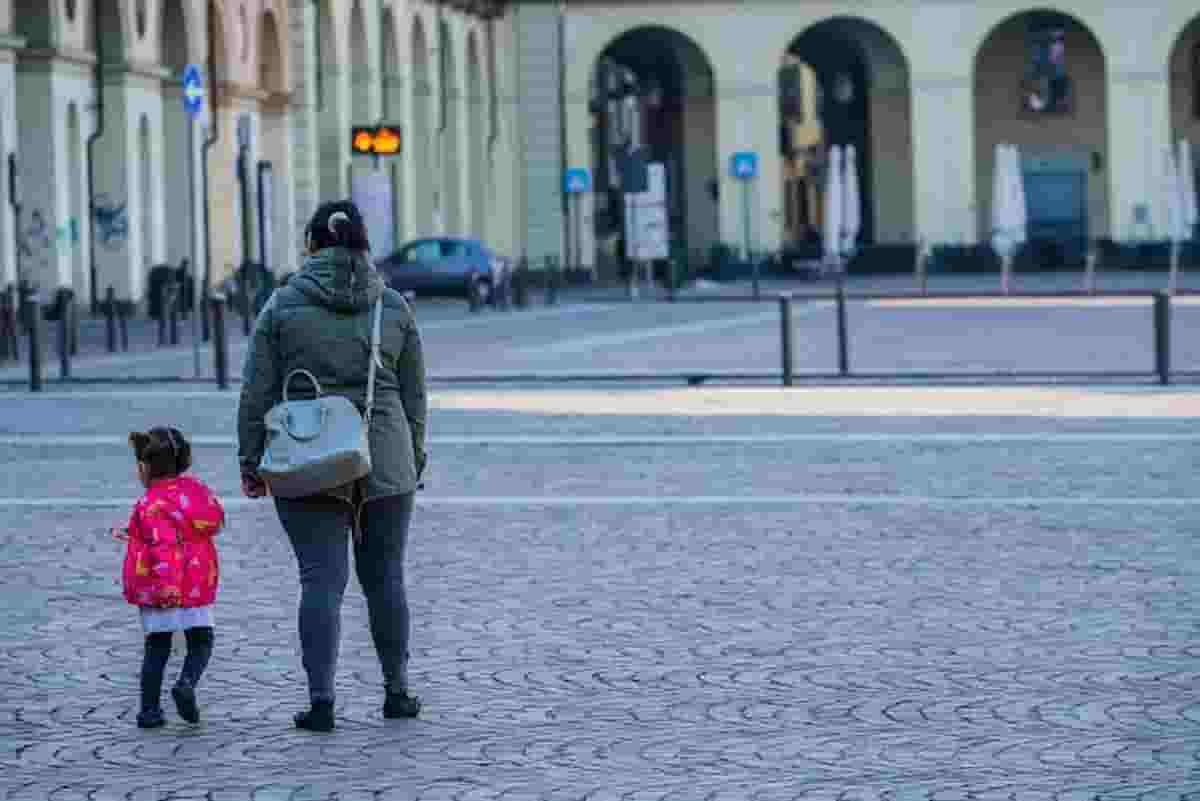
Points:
(641, 595)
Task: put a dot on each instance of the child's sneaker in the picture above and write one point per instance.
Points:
(185, 703)
(401, 705)
(151, 718)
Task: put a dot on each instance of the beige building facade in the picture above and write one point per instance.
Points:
(925, 90)
(110, 167)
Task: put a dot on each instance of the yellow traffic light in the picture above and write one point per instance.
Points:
(387, 141)
(363, 140)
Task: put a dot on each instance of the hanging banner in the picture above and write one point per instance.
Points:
(371, 191)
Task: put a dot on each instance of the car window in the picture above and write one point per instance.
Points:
(424, 251)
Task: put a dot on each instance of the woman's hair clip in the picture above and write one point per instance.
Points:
(336, 217)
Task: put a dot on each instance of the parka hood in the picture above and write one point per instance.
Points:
(340, 279)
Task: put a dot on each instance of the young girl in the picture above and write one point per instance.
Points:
(170, 570)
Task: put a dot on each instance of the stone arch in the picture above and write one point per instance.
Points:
(173, 32)
(114, 34)
(846, 80)
(272, 73)
(653, 91)
(476, 141)
(449, 195)
(1029, 73)
(422, 130)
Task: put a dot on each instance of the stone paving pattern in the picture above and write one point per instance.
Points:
(1025, 651)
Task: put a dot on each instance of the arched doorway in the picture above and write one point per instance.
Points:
(422, 135)
(475, 140)
(845, 81)
(174, 51)
(1185, 94)
(392, 111)
(653, 101)
(450, 195)
(1040, 84)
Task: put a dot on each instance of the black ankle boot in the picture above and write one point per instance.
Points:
(185, 703)
(318, 718)
(151, 718)
(401, 705)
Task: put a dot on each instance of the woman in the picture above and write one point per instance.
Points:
(321, 322)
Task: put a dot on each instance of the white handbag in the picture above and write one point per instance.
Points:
(316, 445)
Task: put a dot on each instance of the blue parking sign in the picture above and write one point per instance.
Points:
(577, 180)
(744, 165)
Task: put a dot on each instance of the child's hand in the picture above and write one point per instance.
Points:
(121, 534)
(252, 485)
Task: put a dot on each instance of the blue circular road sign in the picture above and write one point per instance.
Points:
(193, 90)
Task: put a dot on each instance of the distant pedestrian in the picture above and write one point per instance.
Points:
(171, 571)
(321, 322)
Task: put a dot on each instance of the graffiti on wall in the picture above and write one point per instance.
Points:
(112, 222)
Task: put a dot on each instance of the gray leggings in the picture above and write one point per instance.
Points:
(319, 529)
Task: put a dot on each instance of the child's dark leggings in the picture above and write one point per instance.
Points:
(154, 661)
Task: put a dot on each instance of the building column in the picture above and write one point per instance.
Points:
(581, 228)
(396, 114)
(305, 136)
(943, 135)
(1139, 119)
(54, 95)
(276, 147)
(748, 120)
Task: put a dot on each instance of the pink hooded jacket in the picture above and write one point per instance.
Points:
(170, 560)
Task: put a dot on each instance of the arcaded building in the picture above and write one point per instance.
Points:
(495, 101)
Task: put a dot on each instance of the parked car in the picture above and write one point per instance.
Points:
(448, 266)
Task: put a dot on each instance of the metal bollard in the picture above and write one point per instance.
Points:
(551, 278)
(843, 343)
(162, 316)
(124, 310)
(66, 316)
(8, 326)
(31, 308)
(110, 319)
(785, 332)
(520, 285)
(1162, 336)
(244, 301)
(220, 354)
(173, 301)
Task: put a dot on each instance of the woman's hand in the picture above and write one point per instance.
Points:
(252, 484)
(120, 534)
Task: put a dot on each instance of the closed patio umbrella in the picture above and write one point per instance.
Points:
(851, 203)
(1002, 235)
(1173, 212)
(832, 232)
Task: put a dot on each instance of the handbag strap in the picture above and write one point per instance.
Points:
(376, 330)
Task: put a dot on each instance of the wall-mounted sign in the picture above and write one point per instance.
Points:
(376, 140)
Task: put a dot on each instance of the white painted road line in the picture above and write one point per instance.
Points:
(584, 344)
(691, 440)
(656, 501)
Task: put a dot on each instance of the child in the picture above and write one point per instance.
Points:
(170, 569)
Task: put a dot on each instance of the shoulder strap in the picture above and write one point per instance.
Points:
(376, 331)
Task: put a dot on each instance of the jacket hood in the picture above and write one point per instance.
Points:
(340, 279)
(189, 502)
